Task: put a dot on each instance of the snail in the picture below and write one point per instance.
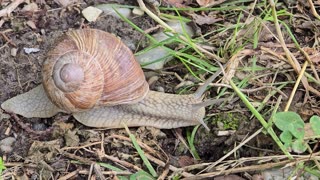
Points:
(93, 75)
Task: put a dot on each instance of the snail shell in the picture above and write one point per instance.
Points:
(90, 68)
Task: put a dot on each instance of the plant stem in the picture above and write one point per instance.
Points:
(261, 119)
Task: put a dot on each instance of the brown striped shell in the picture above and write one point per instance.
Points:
(90, 68)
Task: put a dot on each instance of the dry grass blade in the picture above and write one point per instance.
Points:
(291, 59)
(296, 85)
(7, 10)
(232, 151)
(172, 168)
(313, 9)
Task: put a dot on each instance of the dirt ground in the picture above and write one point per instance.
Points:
(65, 146)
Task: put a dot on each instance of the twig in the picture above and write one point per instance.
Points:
(27, 128)
(7, 10)
(80, 147)
(313, 9)
(7, 39)
(263, 122)
(246, 169)
(143, 145)
(69, 175)
(78, 158)
(172, 168)
(232, 151)
(124, 163)
(292, 61)
(296, 85)
(98, 172)
(107, 172)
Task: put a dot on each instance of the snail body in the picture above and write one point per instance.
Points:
(93, 75)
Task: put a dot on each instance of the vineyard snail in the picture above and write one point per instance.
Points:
(93, 75)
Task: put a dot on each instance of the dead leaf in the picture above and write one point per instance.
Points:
(233, 65)
(201, 20)
(91, 13)
(71, 139)
(32, 7)
(228, 177)
(313, 53)
(209, 3)
(31, 24)
(6, 144)
(308, 131)
(65, 3)
(46, 146)
(181, 161)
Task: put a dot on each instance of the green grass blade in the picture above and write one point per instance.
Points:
(190, 138)
(141, 153)
(261, 119)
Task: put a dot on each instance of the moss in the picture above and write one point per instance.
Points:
(228, 121)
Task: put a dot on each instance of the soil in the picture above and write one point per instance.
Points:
(46, 155)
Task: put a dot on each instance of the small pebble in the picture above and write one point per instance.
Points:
(137, 11)
(31, 50)
(32, 7)
(43, 32)
(109, 9)
(153, 80)
(6, 144)
(91, 13)
(31, 24)
(14, 52)
(159, 89)
(6, 149)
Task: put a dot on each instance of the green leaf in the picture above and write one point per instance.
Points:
(190, 138)
(2, 167)
(299, 146)
(290, 121)
(286, 137)
(141, 175)
(315, 124)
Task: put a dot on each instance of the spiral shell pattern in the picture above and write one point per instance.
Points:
(90, 68)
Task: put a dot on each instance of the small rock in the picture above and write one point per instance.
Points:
(32, 7)
(137, 11)
(152, 80)
(91, 13)
(6, 144)
(13, 52)
(43, 32)
(31, 24)
(111, 9)
(155, 58)
(31, 50)
(159, 88)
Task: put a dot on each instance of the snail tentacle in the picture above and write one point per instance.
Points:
(198, 94)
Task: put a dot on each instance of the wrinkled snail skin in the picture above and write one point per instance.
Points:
(160, 110)
(157, 109)
(94, 76)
